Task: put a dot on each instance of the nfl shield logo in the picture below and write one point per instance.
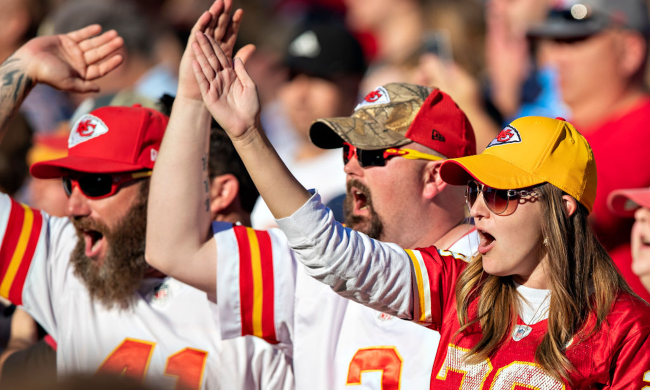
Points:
(521, 331)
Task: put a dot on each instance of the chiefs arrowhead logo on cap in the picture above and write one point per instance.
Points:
(378, 96)
(509, 135)
(87, 127)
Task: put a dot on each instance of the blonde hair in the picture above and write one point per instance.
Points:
(584, 282)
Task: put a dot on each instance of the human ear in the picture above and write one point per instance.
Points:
(433, 183)
(224, 189)
(634, 49)
(570, 204)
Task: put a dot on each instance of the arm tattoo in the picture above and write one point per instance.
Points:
(14, 87)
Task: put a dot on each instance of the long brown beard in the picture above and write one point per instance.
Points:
(114, 281)
(372, 227)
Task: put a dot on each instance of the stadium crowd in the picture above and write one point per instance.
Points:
(293, 194)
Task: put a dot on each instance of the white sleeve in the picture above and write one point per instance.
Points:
(256, 279)
(370, 272)
(34, 257)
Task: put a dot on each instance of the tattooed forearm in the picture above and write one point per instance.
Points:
(206, 183)
(14, 87)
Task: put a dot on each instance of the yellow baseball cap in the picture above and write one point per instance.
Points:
(530, 151)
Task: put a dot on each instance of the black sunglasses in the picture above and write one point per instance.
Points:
(100, 185)
(378, 158)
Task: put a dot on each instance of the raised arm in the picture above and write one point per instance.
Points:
(231, 96)
(372, 273)
(68, 62)
(178, 238)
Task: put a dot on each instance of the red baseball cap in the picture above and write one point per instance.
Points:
(625, 202)
(397, 114)
(109, 140)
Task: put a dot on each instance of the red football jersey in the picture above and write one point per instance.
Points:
(616, 357)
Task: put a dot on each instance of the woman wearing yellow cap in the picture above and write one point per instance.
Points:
(542, 306)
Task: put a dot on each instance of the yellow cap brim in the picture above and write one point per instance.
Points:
(489, 170)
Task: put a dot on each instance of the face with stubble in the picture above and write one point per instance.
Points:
(109, 255)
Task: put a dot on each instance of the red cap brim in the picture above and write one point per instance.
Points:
(625, 202)
(54, 168)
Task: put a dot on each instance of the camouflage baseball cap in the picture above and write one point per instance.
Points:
(397, 114)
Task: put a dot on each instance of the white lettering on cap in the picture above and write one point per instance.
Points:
(378, 96)
(86, 128)
(306, 45)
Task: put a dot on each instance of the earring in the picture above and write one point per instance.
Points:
(545, 242)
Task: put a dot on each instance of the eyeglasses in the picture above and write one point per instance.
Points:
(100, 185)
(500, 202)
(377, 158)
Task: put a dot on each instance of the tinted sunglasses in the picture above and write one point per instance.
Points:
(100, 185)
(377, 158)
(500, 202)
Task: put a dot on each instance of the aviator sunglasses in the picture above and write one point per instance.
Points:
(500, 202)
(100, 185)
(377, 158)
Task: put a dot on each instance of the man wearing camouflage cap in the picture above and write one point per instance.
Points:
(599, 48)
(393, 144)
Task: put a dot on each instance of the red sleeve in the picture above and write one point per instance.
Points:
(435, 274)
(631, 367)
(21, 235)
(256, 284)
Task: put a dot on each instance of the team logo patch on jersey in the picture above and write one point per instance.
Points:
(378, 96)
(161, 293)
(86, 128)
(509, 135)
(385, 317)
(306, 45)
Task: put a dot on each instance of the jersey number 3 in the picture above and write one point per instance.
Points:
(131, 358)
(383, 359)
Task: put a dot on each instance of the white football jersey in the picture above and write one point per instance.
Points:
(334, 342)
(169, 338)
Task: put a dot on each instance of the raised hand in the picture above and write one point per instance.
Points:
(69, 61)
(228, 91)
(223, 29)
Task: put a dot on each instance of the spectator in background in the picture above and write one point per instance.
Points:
(140, 70)
(600, 49)
(326, 65)
(396, 25)
(448, 60)
(635, 203)
(48, 194)
(521, 80)
(13, 153)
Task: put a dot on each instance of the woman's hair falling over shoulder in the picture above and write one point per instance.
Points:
(583, 282)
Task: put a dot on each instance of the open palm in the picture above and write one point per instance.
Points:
(223, 29)
(71, 61)
(228, 91)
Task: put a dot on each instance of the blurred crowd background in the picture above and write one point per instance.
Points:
(317, 58)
